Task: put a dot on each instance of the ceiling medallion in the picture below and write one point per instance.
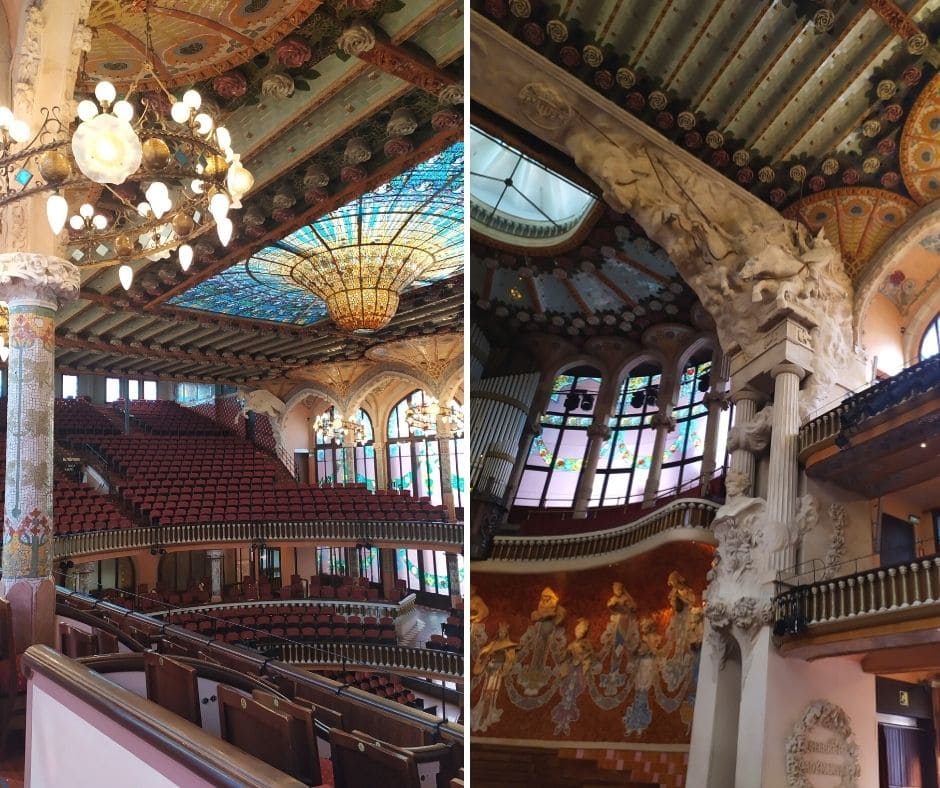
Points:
(137, 177)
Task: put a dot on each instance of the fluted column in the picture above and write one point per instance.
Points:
(745, 408)
(783, 471)
(664, 424)
(598, 432)
(349, 453)
(532, 429)
(716, 400)
(35, 287)
(444, 437)
(215, 572)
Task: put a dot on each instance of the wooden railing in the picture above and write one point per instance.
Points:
(684, 513)
(397, 659)
(856, 409)
(447, 536)
(869, 593)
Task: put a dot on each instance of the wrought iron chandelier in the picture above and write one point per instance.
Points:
(426, 416)
(135, 176)
(335, 428)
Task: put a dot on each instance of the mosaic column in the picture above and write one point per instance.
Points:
(34, 286)
(381, 465)
(215, 572)
(453, 578)
(444, 437)
(783, 472)
(745, 408)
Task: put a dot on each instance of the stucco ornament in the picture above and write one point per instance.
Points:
(744, 261)
(356, 39)
(27, 272)
(837, 544)
(277, 86)
(261, 402)
(809, 754)
(754, 435)
(544, 106)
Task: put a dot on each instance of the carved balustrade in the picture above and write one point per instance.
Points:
(681, 514)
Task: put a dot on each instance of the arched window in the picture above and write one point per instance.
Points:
(331, 457)
(682, 458)
(413, 457)
(553, 466)
(365, 453)
(930, 344)
(625, 457)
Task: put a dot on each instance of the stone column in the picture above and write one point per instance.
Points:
(664, 424)
(352, 562)
(381, 465)
(783, 475)
(598, 432)
(716, 400)
(444, 437)
(215, 568)
(79, 577)
(387, 561)
(34, 286)
(350, 454)
(745, 408)
(453, 578)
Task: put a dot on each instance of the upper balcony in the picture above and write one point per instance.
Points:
(881, 440)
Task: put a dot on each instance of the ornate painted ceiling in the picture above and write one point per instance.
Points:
(821, 109)
(326, 101)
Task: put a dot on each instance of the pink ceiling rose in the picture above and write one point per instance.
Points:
(398, 146)
(230, 85)
(293, 52)
(446, 119)
(352, 174)
(896, 278)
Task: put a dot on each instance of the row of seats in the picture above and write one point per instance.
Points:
(385, 685)
(165, 417)
(79, 416)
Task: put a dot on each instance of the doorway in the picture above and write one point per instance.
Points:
(897, 541)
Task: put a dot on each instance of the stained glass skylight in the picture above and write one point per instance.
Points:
(512, 196)
(405, 234)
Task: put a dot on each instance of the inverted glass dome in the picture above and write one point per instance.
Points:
(514, 198)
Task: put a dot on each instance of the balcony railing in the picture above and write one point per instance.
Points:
(398, 659)
(866, 594)
(684, 513)
(873, 401)
(446, 535)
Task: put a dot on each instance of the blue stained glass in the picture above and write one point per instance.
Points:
(23, 177)
(421, 208)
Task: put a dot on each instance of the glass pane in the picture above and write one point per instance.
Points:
(133, 387)
(150, 389)
(69, 386)
(112, 389)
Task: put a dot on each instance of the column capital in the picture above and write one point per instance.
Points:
(25, 276)
(748, 393)
(720, 397)
(792, 369)
(662, 419)
(599, 431)
(215, 555)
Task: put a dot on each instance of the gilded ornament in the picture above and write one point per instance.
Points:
(798, 173)
(54, 167)
(686, 120)
(123, 246)
(714, 139)
(766, 174)
(871, 128)
(156, 153)
(592, 55)
(658, 100)
(871, 164)
(520, 8)
(741, 157)
(830, 166)
(557, 31)
(886, 89)
(216, 166)
(183, 224)
(625, 78)
(823, 20)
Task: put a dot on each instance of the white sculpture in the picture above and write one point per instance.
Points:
(263, 403)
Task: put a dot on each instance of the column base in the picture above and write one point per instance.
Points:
(33, 603)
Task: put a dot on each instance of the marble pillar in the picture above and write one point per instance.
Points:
(35, 287)
(783, 475)
(716, 400)
(444, 438)
(597, 434)
(664, 423)
(215, 572)
(745, 408)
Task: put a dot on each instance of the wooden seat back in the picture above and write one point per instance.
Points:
(76, 643)
(267, 734)
(173, 685)
(304, 734)
(361, 762)
(436, 762)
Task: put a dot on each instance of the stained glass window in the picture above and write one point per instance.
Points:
(682, 456)
(421, 209)
(626, 455)
(425, 570)
(365, 453)
(514, 195)
(413, 457)
(553, 466)
(930, 344)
